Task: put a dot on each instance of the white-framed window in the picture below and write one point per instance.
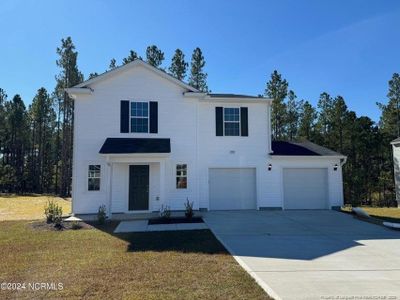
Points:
(231, 121)
(139, 117)
(181, 176)
(94, 174)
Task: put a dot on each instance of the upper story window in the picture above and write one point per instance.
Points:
(140, 117)
(231, 121)
(94, 177)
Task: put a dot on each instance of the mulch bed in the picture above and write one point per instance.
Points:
(42, 225)
(175, 220)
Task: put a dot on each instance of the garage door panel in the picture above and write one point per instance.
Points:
(232, 188)
(305, 188)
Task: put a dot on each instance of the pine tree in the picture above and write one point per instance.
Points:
(178, 66)
(113, 64)
(93, 75)
(68, 77)
(198, 78)
(131, 57)
(41, 159)
(277, 90)
(338, 122)
(17, 142)
(324, 122)
(154, 56)
(292, 115)
(3, 100)
(390, 119)
(308, 116)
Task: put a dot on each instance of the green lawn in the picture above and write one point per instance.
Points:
(390, 214)
(95, 263)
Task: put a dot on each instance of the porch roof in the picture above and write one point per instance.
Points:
(135, 145)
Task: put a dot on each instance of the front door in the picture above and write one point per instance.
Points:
(139, 187)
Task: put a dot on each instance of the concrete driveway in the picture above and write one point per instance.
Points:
(312, 254)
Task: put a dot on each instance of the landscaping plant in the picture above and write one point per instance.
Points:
(165, 212)
(53, 212)
(101, 214)
(189, 213)
(75, 225)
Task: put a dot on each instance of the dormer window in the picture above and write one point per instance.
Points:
(140, 117)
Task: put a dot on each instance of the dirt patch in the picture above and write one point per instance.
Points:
(42, 225)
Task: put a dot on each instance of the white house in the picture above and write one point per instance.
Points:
(143, 139)
(396, 164)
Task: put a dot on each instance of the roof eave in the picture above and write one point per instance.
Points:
(310, 156)
(73, 92)
(206, 98)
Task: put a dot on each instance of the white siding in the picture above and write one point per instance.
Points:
(275, 178)
(98, 117)
(396, 164)
(190, 125)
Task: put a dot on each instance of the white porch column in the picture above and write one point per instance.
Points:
(162, 183)
(110, 175)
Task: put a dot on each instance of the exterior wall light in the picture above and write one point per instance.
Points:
(269, 167)
(335, 167)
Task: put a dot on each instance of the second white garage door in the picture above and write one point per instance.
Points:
(305, 188)
(232, 189)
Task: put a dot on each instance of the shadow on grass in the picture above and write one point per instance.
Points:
(184, 241)
(386, 219)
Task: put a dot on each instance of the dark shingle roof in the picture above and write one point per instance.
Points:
(304, 148)
(135, 145)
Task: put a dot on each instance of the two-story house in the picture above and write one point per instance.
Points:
(143, 139)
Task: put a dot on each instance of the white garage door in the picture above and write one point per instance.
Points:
(232, 189)
(305, 188)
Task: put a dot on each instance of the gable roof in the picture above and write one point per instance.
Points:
(395, 141)
(135, 63)
(304, 148)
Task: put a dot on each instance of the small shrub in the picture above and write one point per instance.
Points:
(75, 225)
(189, 213)
(101, 214)
(53, 212)
(165, 212)
(57, 219)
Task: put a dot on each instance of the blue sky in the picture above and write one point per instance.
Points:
(348, 48)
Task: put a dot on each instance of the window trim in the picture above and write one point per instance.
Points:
(94, 177)
(141, 117)
(238, 122)
(181, 176)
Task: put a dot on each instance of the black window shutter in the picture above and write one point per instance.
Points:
(124, 116)
(244, 122)
(153, 117)
(219, 126)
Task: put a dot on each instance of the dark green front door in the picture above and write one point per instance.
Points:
(139, 187)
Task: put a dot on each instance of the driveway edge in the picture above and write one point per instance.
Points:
(259, 281)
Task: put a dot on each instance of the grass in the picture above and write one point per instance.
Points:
(390, 214)
(95, 263)
(31, 207)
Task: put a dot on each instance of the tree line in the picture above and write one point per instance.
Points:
(368, 172)
(36, 141)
